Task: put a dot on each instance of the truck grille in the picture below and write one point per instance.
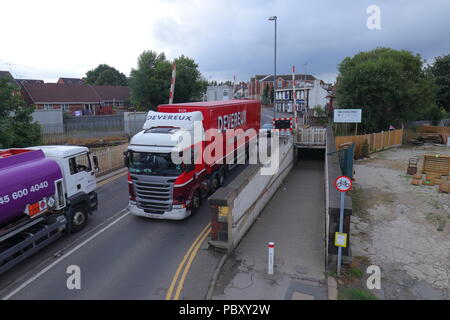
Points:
(154, 197)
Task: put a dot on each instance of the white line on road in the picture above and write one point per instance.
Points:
(40, 273)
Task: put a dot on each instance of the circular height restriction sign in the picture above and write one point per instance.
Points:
(343, 184)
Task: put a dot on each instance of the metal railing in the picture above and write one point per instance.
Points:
(311, 136)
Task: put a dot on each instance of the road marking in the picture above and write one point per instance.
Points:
(111, 179)
(40, 273)
(188, 266)
(186, 256)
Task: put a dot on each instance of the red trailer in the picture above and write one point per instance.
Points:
(158, 187)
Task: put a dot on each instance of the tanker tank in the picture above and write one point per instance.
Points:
(26, 177)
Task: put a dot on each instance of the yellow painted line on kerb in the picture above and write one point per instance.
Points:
(189, 257)
(111, 179)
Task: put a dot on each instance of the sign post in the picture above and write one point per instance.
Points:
(348, 116)
(271, 257)
(342, 184)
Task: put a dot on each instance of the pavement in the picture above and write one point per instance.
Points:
(294, 220)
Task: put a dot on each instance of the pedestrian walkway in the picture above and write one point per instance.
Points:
(294, 220)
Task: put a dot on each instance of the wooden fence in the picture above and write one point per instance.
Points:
(377, 141)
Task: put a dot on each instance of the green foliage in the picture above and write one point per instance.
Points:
(150, 82)
(17, 128)
(390, 87)
(440, 70)
(355, 294)
(265, 100)
(189, 85)
(106, 75)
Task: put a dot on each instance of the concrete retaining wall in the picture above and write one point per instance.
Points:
(235, 207)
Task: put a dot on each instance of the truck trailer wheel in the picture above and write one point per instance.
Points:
(79, 218)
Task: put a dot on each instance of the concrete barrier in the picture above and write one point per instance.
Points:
(235, 207)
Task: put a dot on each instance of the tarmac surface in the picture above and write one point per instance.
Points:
(294, 220)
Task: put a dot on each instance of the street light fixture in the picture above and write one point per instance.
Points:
(274, 18)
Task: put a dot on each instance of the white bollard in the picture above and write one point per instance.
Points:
(271, 256)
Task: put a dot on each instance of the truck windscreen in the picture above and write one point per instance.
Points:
(156, 164)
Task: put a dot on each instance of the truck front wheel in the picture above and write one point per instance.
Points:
(79, 218)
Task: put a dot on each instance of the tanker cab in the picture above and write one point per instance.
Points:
(79, 173)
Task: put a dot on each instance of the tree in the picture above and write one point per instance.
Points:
(17, 128)
(440, 70)
(105, 75)
(189, 85)
(266, 96)
(272, 97)
(150, 82)
(390, 86)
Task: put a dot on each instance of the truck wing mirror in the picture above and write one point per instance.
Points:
(96, 163)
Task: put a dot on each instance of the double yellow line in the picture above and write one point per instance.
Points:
(186, 264)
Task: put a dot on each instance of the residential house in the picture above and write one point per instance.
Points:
(7, 75)
(113, 97)
(310, 91)
(75, 99)
(241, 91)
(70, 81)
(22, 81)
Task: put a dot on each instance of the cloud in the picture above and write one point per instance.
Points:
(226, 38)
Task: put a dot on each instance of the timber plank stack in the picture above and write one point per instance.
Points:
(436, 165)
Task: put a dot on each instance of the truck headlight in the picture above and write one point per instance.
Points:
(179, 206)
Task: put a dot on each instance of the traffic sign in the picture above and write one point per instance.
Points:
(343, 184)
(340, 239)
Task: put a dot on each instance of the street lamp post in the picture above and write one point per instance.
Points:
(274, 18)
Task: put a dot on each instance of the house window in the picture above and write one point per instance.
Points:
(65, 107)
(48, 106)
(280, 83)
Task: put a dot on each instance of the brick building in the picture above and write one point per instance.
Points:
(90, 100)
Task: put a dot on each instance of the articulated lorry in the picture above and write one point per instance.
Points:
(44, 192)
(162, 188)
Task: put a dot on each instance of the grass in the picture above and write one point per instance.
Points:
(354, 272)
(438, 221)
(358, 201)
(355, 294)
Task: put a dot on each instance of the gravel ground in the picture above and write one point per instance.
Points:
(402, 228)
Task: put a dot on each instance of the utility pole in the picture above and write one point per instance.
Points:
(274, 18)
(294, 105)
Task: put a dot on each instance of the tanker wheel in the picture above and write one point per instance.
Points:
(79, 218)
(196, 202)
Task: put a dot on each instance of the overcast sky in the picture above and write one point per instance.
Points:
(46, 39)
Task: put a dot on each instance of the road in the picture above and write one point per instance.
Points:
(120, 256)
